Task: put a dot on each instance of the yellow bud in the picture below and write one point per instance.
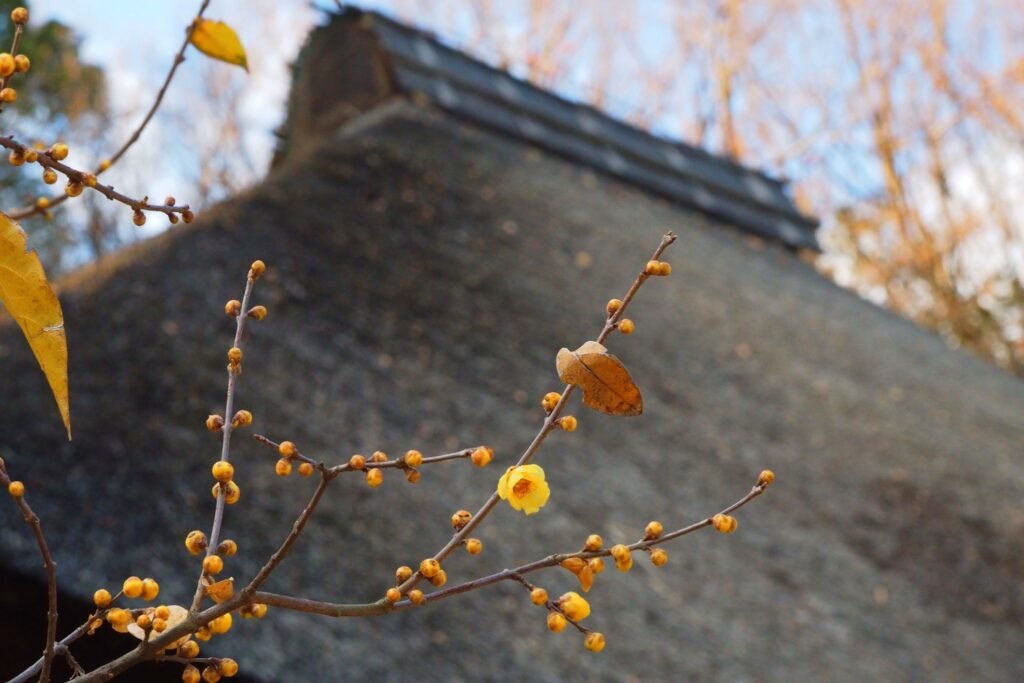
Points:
(287, 449)
(429, 568)
(6, 64)
(659, 556)
(413, 458)
(416, 596)
(227, 547)
(235, 355)
(374, 477)
(357, 462)
(203, 633)
(89, 180)
(150, 589)
(214, 423)
(724, 523)
(568, 423)
(211, 674)
(22, 63)
(162, 612)
(59, 151)
(221, 624)
(474, 546)
(550, 400)
(104, 165)
(625, 564)
(620, 552)
(439, 579)
(101, 598)
(132, 587)
(228, 667)
(305, 469)
(393, 595)
(626, 326)
(402, 574)
(188, 649)
(596, 565)
(31, 156)
(138, 218)
(243, 418)
(16, 157)
(19, 15)
(482, 456)
(16, 489)
(191, 674)
(119, 619)
(257, 312)
(223, 471)
(594, 543)
(665, 269)
(256, 269)
(766, 477)
(556, 622)
(43, 203)
(196, 540)
(574, 606)
(212, 565)
(231, 492)
(653, 268)
(283, 467)
(143, 621)
(74, 187)
(539, 596)
(461, 518)
(379, 456)
(594, 641)
(613, 306)
(653, 530)
(412, 476)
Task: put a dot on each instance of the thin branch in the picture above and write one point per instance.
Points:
(108, 191)
(550, 422)
(227, 429)
(27, 211)
(380, 607)
(396, 463)
(32, 519)
(60, 647)
(18, 30)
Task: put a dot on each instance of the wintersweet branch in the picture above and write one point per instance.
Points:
(79, 180)
(19, 28)
(42, 206)
(550, 421)
(17, 492)
(231, 420)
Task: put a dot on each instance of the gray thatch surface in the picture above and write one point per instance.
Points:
(423, 275)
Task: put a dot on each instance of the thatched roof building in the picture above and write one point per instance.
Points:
(433, 238)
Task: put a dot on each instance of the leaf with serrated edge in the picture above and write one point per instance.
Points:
(218, 40)
(28, 297)
(603, 379)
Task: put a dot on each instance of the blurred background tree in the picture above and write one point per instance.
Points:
(65, 97)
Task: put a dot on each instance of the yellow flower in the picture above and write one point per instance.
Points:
(524, 488)
(574, 606)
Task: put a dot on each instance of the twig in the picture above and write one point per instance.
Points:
(550, 422)
(32, 519)
(381, 607)
(27, 211)
(18, 30)
(108, 191)
(396, 463)
(60, 647)
(227, 429)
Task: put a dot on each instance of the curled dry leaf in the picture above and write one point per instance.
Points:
(28, 297)
(218, 40)
(178, 615)
(221, 590)
(603, 379)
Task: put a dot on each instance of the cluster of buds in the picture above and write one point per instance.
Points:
(224, 667)
(11, 64)
(658, 268)
(570, 608)
(289, 453)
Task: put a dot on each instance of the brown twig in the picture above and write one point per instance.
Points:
(58, 648)
(108, 191)
(396, 463)
(18, 30)
(27, 211)
(227, 429)
(550, 422)
(32, 519)
(380, 607)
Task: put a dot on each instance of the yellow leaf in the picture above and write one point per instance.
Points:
(28, 297)
(218, 40)
(604, 380)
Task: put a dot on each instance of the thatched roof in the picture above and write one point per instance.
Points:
(424, 270)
